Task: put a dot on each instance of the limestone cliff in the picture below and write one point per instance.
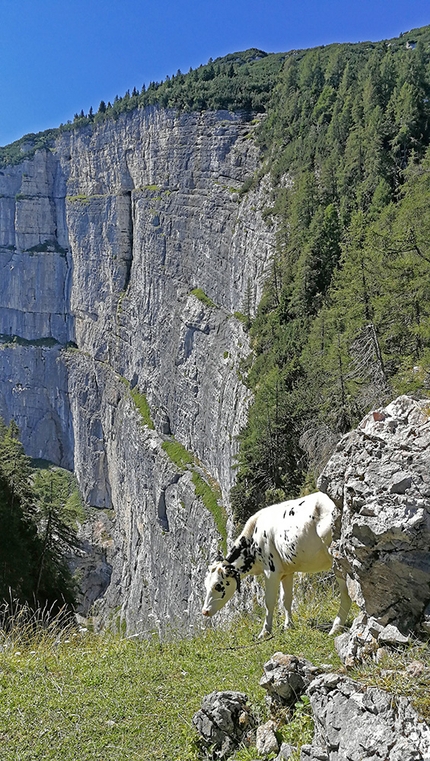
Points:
(127, 252)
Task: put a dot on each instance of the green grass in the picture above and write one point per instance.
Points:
(80, 198)
(396, 672)
(201, 296)
(152, 188)
(207, 489)
(103, 698)
(179, 455)
(142, 405)
(211, 497)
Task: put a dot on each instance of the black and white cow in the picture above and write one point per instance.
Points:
(278, 541)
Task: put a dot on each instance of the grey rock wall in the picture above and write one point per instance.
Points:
(379, 478)
(102, 242)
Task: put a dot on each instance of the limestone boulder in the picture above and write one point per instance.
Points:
(223, 722)
(286, 678)
(363, 724)
(379, 478)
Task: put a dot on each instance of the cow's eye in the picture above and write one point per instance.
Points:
(218, 587)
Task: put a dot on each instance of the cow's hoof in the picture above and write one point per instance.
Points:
(264, 633)
(289, 625)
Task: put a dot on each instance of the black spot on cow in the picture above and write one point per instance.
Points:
(291, 511)
(271, 564)
(248, 563)
(264, 534)
(285, 512)
(220, 588)
(232, 571)
(301, 503)
(233, 554)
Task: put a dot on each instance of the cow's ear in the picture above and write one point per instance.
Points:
(222, 570)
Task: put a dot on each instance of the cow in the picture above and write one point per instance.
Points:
(278, 541)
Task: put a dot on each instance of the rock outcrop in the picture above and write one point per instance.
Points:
(351, 721)
(223, 722)
(363, 724)
(285, 678)
(379, 478)
(127, 256)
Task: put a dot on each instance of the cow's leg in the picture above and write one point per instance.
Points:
(345, 604)
(271, 593)
(287, 599)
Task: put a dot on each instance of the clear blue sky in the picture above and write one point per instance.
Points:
(60, 56)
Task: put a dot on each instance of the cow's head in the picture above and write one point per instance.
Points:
(221, 582)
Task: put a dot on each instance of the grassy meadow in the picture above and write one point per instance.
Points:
(68, 694)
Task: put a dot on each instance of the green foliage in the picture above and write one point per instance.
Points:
(178, 454)
(74, 698)
(201, 296)
(300, 730)
(80, 198)
(205, 488)
(65, 692)
(345, 141)
(211, 497)
(38, 512)
(58, 509)
(27, 146)
(19, 542)
(238, 82)
(142, 405)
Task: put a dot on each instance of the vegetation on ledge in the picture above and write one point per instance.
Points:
(205, 488)
(142, 405)
(201, 296)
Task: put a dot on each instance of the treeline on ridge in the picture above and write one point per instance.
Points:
(237, 82)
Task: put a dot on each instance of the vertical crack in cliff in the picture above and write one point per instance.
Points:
(130, 230)
(161, 508)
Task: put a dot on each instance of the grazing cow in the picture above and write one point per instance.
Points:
(278, 541)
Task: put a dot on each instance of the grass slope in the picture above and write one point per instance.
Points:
(102, 698)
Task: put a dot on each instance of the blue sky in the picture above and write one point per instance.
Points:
(60, 56)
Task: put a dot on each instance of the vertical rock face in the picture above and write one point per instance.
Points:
(379, 478)
(127, 253)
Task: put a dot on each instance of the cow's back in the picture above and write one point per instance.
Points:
(295, 535)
